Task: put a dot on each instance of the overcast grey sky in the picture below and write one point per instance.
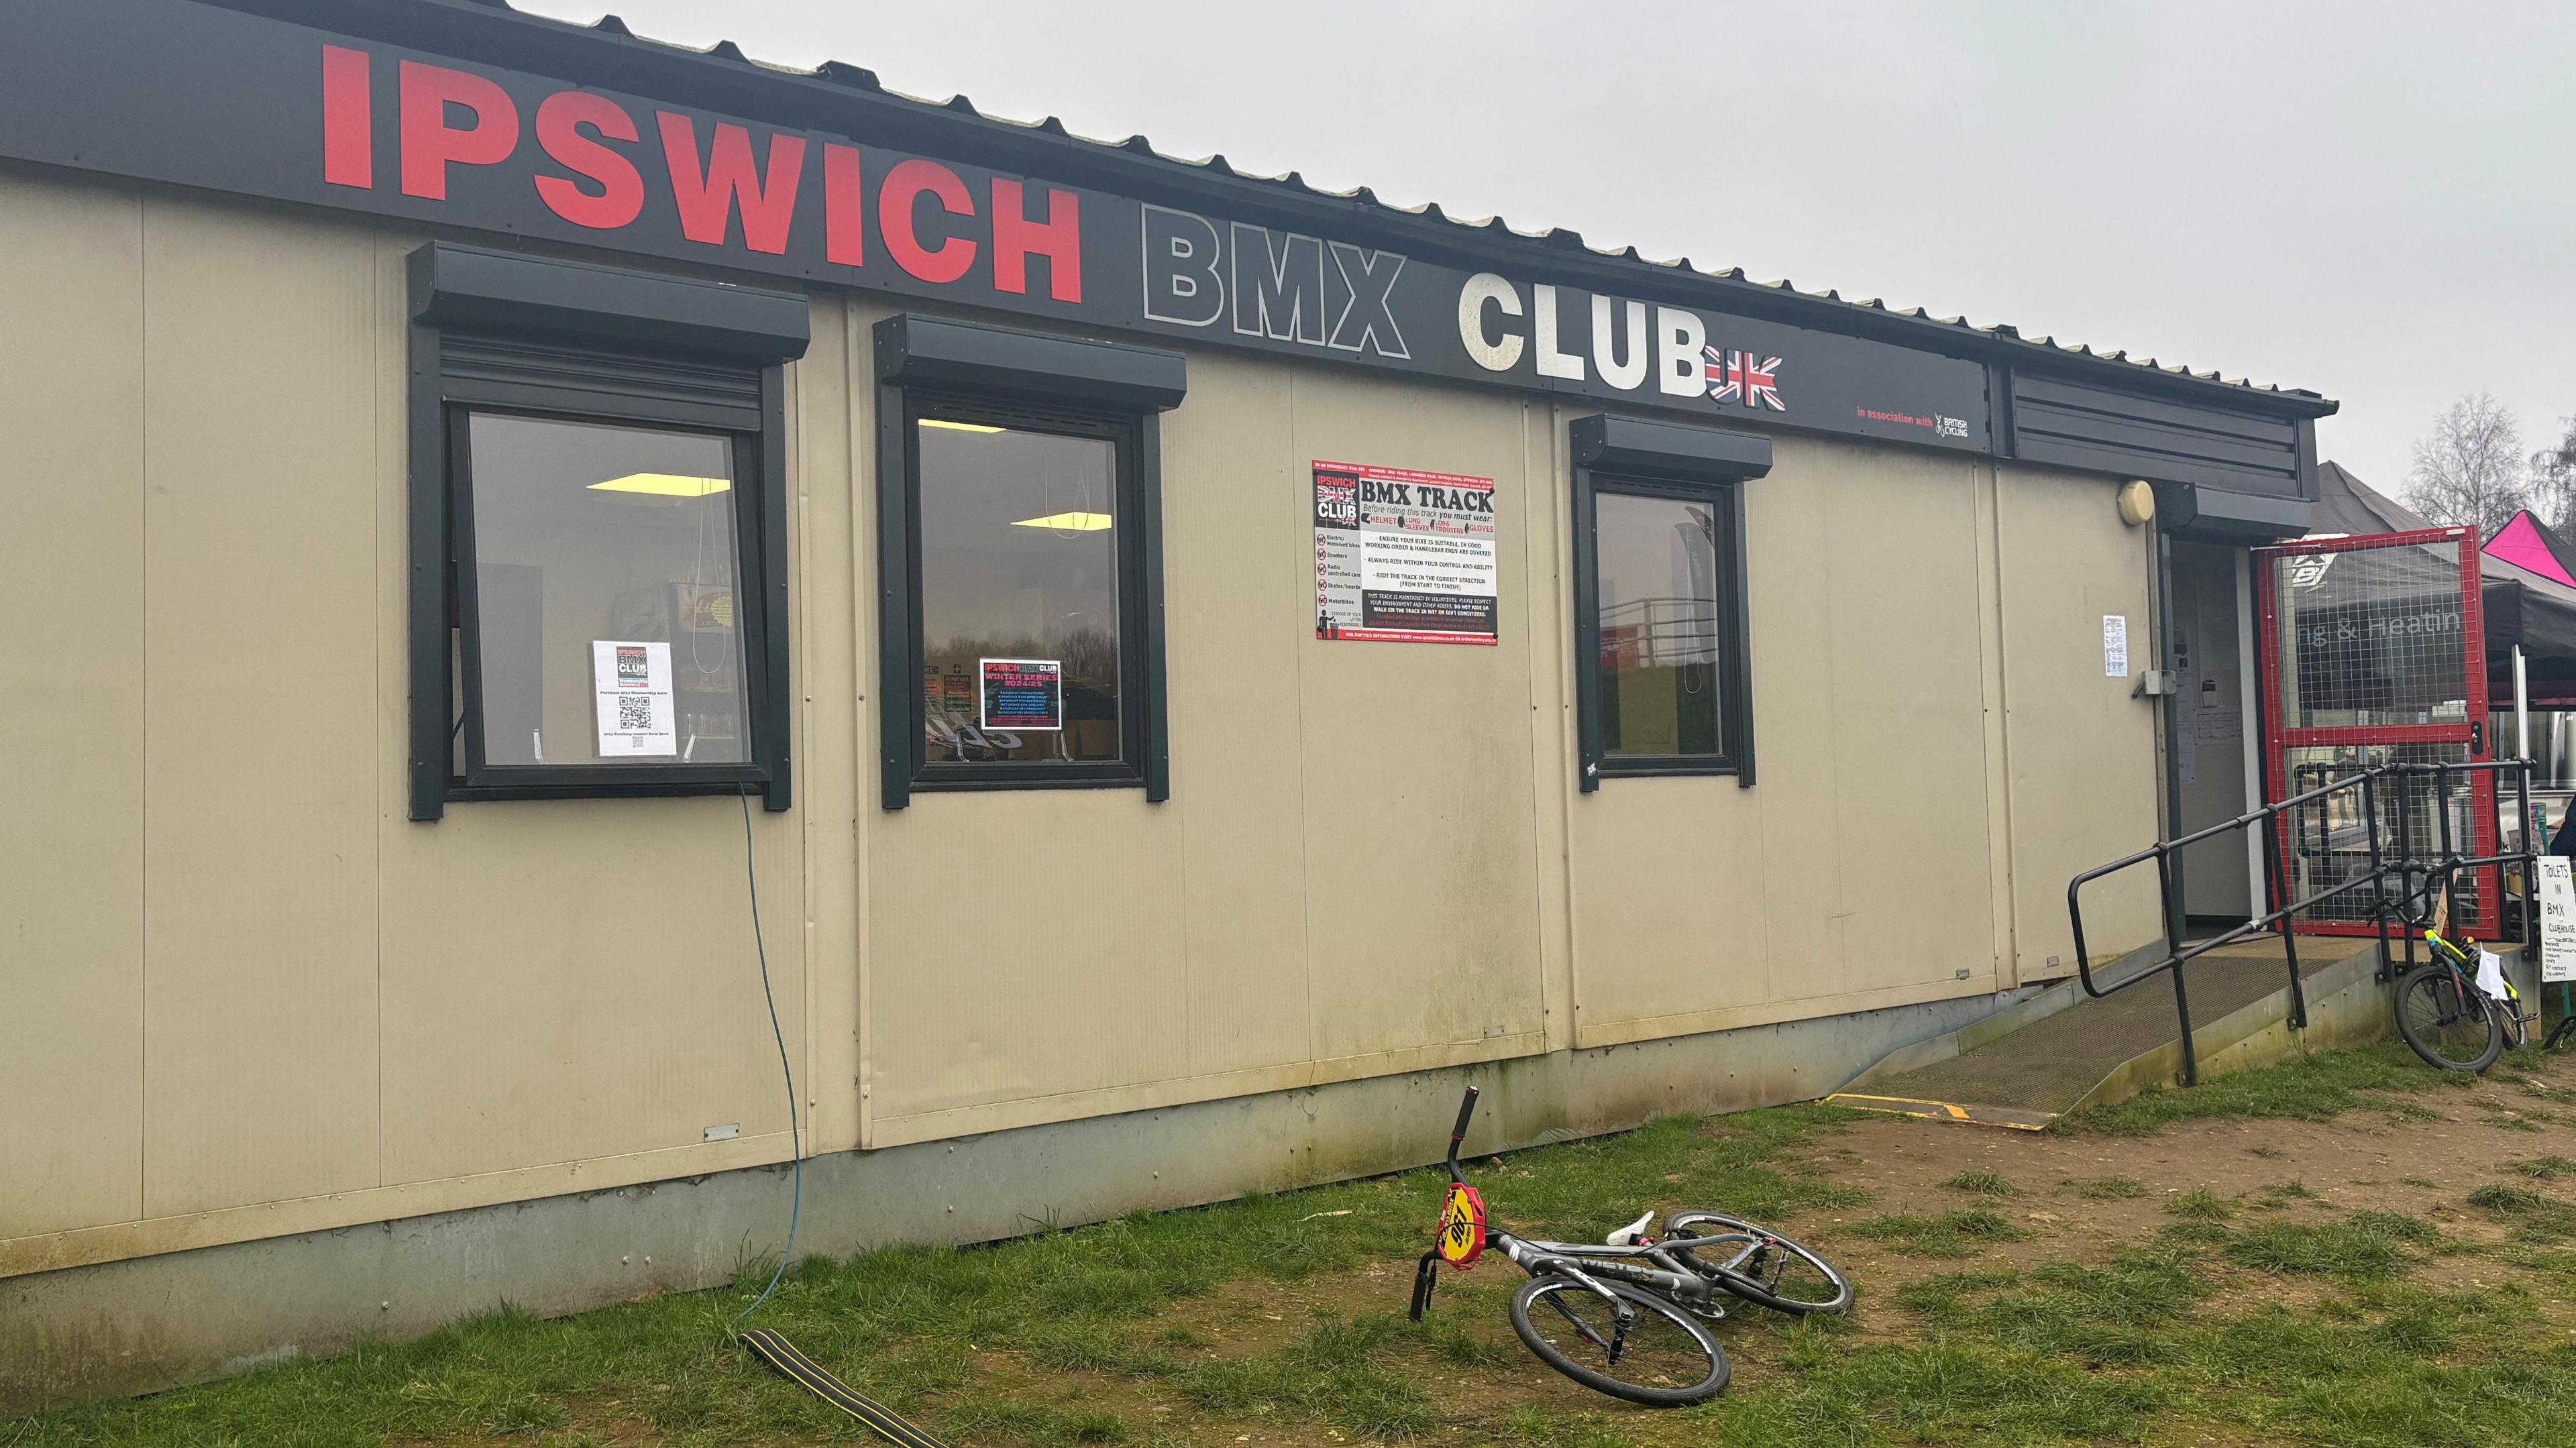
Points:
(2371, 200)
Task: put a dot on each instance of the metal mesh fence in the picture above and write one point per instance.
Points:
(2372, 639)
(2330, 838)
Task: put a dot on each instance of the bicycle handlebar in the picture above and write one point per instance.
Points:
(1458, 1133)
(2420, 887)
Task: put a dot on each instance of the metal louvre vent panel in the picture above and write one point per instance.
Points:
(2092, 427)
(520, 373)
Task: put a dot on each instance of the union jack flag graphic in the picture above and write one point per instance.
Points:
(1737, 377)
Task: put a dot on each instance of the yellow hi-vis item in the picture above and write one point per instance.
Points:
(1462, 1226)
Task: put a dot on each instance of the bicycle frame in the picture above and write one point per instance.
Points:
(1586, 1262)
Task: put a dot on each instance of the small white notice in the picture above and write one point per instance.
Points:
(2115, 646)
(2557, 918)
(633, 683)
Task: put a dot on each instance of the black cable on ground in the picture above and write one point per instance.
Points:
(779, 1353)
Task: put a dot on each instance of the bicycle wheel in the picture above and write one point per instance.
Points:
(1660, 1356)
(2517, 1026)
(1756, 1263)
(2448, 1024)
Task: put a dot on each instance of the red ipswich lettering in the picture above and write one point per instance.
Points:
(706, 198)
(844, 233)
(905, 185)
(429, 144)
(348, 119)
(620, 197)
(1058, 239)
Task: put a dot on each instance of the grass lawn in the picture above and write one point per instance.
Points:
(2254, 1262)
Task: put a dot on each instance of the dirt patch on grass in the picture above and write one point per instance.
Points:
(2276, 1188)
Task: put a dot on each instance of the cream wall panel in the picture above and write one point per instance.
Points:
(1909, 715)
(1025, 943)
(1668, 888)
(822, 484)
(71, 838)
(1547, 513)
(2082, 751)
(1789, 584)
(1421, 854)
(569, 979)
(1232, 490)
(261, 675)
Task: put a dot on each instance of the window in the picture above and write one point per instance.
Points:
(1020, 546)
(1661, 677)
(603, 614)
(598, 598)
(1656, 555)
(1021, 562)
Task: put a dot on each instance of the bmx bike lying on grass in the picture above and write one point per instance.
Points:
(1629, 1316)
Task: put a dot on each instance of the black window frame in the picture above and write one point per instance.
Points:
(1635, 458)
(967, 372)
(499, 334)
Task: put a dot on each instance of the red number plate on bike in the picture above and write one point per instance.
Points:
(1462, 1226)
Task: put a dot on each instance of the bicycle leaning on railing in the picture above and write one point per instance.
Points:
(2445, 1012)
(1629, 1317)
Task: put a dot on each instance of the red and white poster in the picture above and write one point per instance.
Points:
(1403, 556)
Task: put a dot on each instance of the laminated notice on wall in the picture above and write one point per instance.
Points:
(1403, 556)
(1023, 694)
(2115, 646)
(2557, 918)
(633, 683)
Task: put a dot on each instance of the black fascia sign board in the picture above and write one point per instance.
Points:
(203, 96)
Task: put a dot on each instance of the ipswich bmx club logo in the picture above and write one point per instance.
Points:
(1739, 377)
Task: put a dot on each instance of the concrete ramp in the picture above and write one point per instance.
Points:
(2061, 1051)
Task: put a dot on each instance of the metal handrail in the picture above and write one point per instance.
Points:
(2365, 780)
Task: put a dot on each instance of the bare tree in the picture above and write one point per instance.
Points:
(2470, 470)
(2553, 479)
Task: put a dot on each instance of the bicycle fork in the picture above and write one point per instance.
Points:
(1621, 1316)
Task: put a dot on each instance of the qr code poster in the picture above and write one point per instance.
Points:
(633, 681)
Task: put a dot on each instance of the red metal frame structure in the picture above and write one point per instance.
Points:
(2374, 643)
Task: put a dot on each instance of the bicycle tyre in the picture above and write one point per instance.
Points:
(2433, 1012)
(2517, 1022)
(1713, 1376)
(1682, 1229)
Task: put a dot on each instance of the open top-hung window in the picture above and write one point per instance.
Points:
(1020, 544)
(1661, 673)
(599, 589)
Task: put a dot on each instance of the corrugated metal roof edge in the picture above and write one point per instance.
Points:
(494, 32)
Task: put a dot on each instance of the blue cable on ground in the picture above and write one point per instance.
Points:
(795, 1138)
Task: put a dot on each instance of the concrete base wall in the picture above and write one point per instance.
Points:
(154, 1322)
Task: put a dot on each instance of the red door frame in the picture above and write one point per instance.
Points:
(2279, 740)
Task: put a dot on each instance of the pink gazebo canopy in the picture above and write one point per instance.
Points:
(2526, 544)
